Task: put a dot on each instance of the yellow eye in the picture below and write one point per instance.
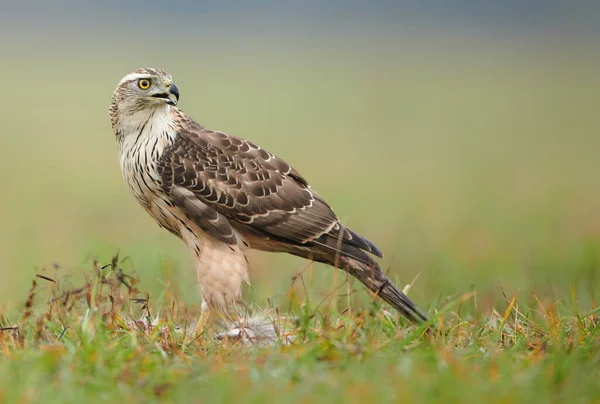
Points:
(144, 84)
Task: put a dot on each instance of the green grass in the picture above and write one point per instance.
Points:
(475, 170)
(93, 342)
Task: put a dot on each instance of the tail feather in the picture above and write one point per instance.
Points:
(375, 280)
(364, 268)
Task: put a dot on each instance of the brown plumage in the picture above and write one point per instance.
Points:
(200, 183)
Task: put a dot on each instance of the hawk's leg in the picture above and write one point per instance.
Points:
(221, 270)
(205, 321)
(204, 325)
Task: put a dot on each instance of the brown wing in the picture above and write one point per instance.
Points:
(212, 176)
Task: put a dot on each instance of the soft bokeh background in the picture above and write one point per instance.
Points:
(463, 139)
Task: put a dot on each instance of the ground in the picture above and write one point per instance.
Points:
(94, 342)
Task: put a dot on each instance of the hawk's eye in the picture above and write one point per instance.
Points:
(144, 84)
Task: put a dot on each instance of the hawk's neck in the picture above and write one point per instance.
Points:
(148, 121)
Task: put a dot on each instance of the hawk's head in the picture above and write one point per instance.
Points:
(142, 89)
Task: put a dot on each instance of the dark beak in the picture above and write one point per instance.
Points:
(174, 91)
(171, 97)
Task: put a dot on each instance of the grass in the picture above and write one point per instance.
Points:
(107, 340)
(473, 168)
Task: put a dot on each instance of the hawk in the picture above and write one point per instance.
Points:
(221, 194)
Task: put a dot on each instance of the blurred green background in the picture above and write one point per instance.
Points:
(471, 159)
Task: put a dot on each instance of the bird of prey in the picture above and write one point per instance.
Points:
(221, 194)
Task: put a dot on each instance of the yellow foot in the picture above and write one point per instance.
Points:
(209, 319)
(203, 327)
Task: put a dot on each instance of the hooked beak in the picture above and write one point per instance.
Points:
(171, 96)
